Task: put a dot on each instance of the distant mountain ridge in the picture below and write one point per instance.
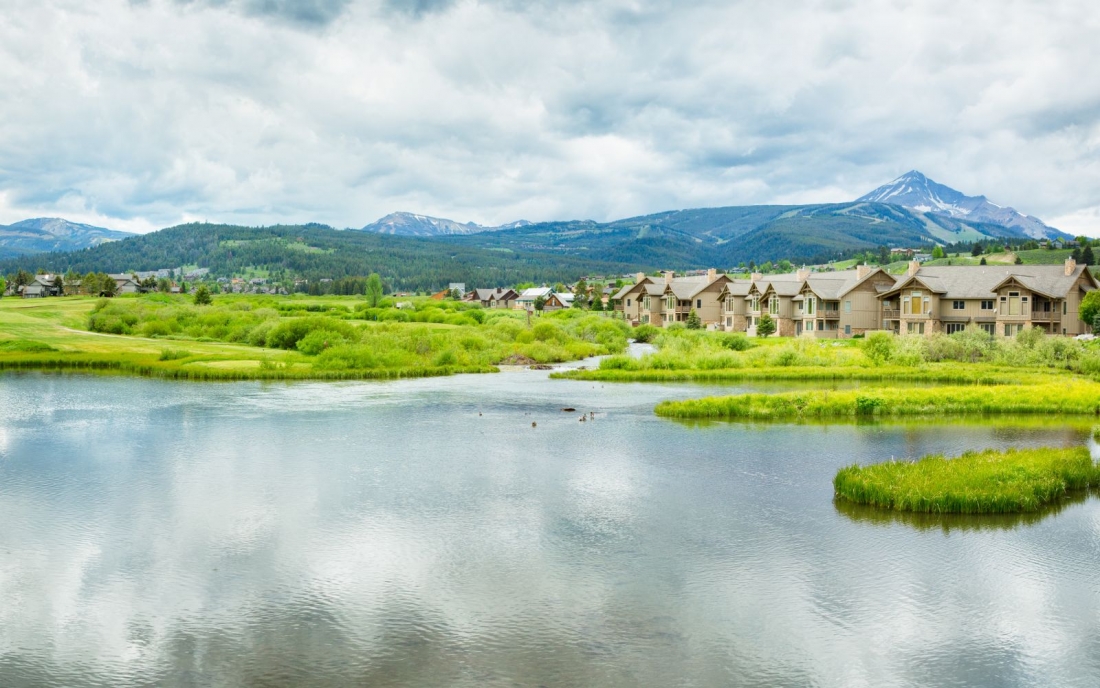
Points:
(43, 234)
(411, 224)
(917, 192)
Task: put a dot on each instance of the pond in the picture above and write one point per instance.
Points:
(466, 531)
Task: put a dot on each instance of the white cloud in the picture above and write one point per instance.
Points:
(137, 115)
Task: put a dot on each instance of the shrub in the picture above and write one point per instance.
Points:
(737, 341)
(645, 333)
(318, 340)
(173, 354)
(879, 347)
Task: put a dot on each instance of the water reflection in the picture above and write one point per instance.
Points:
(423, 533)
(869, 515)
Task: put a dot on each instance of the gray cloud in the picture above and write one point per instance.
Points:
(140, 115)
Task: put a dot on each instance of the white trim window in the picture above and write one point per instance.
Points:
(811, 305)
(773, 305)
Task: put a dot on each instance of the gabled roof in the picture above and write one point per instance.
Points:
(832, 286)
(534, 292)
(621, 294)
(981, 282)
(737, 287)
(491, 294)
(685, 288)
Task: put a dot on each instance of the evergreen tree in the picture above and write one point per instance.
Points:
(766, 326)
(983, 261)
(1087, 256)
(977, 249)
(202, 296)
(540, 303)
(693, 321)
(597, 303)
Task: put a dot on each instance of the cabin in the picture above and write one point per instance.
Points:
(492, 298)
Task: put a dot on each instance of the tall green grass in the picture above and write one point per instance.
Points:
(1067, 396)
(986, 482)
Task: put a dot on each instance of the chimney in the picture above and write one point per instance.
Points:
(802, 274)
(1071, 265)
(913, 267)
(669, 274)
(756, 276)
(639, 278)
(862, 271)
(712, 275)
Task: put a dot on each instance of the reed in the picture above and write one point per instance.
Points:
(1066, 396)
(985, 482)
(959, 373)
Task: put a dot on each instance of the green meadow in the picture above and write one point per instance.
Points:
(243, 337)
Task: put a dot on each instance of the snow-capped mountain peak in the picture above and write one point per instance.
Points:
(917, 192)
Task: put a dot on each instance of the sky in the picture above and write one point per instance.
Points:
(142, 114)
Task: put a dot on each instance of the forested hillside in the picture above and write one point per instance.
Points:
(317, 252)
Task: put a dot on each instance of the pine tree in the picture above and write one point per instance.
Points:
(1087, 256)
(766, 326)
(693, 321)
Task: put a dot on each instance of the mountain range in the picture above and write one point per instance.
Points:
(411, 224)
(910, 211)
(43, 234)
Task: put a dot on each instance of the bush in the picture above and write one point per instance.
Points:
(736, 341)
(288, 333)
(879, 347)
(318, 340)
(645, 333)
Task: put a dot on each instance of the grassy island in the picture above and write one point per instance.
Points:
(986, 482)
(291, 337)
(1063, 396)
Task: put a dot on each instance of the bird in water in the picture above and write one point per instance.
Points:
(534, 424)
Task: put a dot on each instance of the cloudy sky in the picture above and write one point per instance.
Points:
(139, 114)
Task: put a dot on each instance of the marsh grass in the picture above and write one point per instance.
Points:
(24, 346)
(985, 482)
(1066, 396)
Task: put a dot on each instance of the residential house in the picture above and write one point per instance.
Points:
(126, 284)
(1001, 300)
(700, 293)
(42, 286)
(841, 304)
(492, 298)
(735, 305)
(628, 299)
(775, 296)
(460, 287)
(526, 300)
(558, 301)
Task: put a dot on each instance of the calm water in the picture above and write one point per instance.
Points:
(423, 533)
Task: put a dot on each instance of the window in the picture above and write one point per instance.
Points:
(729, 303)
(848, 328)
(820, 324)
(988, 328)
(987, 305)
(958, 305)
(1010, 330)
(905, 309)
(756, 304)
(628, 303)
(670, 303)
(1064, 307)
(952, 328)
(729, 322)
(698, 303)
(916, 328)
(645, 318)
(647, 303)
(847, 306)
(773, 305)
(811, 305)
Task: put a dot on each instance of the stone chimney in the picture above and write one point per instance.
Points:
(639, 278)
(712, 275)
(862, 271)
(756, 276)
(669, 274)
(913, 267)
(802, 274)
(1071, 265)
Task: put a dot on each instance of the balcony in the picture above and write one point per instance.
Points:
(891, 314)
(1045, 316)
(831, 314)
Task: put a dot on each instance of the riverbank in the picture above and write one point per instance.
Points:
(986, 482)
(1064, 396)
